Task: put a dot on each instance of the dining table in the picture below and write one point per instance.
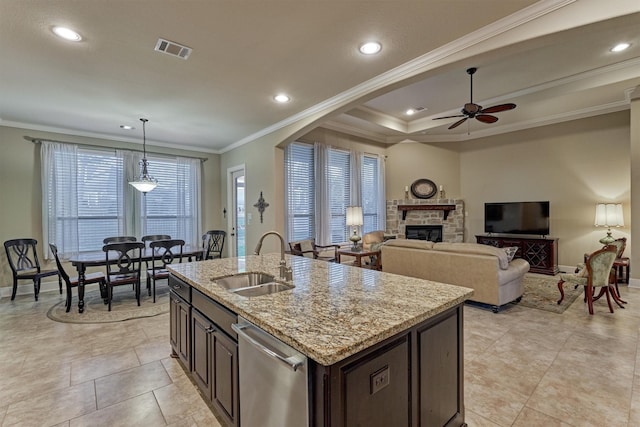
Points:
(98, 258)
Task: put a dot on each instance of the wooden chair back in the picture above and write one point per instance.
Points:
(213, 244)
(118, 239)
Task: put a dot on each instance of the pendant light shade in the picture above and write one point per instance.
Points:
(145, 182)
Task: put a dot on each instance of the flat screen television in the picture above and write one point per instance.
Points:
(517, 218)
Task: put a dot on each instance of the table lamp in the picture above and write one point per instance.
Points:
(354, 219)
(609, 215)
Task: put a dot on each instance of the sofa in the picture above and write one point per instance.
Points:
(495, 278)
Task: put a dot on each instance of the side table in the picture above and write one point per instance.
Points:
(359, 254)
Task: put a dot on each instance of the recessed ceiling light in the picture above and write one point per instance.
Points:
(410, 112)
(282, 98)
(67, 34)
(370, 48)
(126, 127)
(620, 47)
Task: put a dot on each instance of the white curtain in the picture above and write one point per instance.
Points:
(189, 217)
(322, 208)
(59, 185)
(382, 195)
(288, 181)
(130, 216)
(356, 180)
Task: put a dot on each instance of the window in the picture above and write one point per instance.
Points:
(87, 197)
(338, 175)
(317, 209)
(300, 195)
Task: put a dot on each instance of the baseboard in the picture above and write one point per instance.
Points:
(634, 283)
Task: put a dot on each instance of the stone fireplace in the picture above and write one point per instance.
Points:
(425, 219)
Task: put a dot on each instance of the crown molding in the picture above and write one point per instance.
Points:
(412, 68)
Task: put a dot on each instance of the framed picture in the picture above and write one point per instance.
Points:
(424, 188)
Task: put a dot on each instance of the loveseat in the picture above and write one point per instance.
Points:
(495, 279)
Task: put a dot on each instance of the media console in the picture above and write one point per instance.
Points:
(540, 253)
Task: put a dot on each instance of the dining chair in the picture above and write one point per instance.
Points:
(72, 282)
(213, 243)
(124, 261)
(150, 238)
(308, 248)
(23, 260)
(598, 273)
(163, 253)
(119, 239)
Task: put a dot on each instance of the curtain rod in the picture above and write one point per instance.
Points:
(39, 140)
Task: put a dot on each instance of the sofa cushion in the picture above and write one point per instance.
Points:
(475, 248)
(410, 243)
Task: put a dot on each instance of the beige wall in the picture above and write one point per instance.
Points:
(407, 162)
(21, 195)
(574, 165)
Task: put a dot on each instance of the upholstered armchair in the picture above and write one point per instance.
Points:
(597, 273)
(308, 248)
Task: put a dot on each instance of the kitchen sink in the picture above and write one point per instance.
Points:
(252, 284)
(244, 280)
(263, 289)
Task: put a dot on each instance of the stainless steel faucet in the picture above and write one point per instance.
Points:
(286, 273)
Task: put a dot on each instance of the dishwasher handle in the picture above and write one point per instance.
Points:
(291, 362)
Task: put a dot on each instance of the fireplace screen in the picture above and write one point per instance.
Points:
(432, 233)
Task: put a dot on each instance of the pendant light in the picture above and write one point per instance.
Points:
(145, 182)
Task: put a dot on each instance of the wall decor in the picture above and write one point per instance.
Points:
(261, 205)
(424, 188)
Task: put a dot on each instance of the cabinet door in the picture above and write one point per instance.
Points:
(174, 318)
(224, 390)
(184, 336)
(201, 329)
(440, 373)
(179, 331)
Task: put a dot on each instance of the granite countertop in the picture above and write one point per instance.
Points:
(334, 311)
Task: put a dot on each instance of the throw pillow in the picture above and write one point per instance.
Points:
(511, 252)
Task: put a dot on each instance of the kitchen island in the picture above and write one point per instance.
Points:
(383, 349)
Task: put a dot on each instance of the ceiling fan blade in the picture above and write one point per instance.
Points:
(449, 117)
(485, 118)
(498, 108)
(458, 123)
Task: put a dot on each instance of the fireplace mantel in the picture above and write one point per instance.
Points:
(445, 208)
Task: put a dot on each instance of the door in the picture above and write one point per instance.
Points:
(236, 179)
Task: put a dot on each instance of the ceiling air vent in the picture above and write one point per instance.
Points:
(173, 49)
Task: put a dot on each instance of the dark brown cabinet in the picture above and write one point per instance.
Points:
(540, 253)
(180, 337)
(215, 366)
(414, 378)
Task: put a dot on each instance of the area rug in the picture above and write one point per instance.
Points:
(542, 292)
(123, 306)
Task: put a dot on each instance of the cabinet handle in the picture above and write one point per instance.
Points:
(210, 329)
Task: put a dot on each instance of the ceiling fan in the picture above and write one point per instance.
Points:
(475, 111)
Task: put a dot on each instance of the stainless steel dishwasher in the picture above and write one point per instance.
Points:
(273, 380)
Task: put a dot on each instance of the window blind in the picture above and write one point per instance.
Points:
(300, 191)
(339, 177)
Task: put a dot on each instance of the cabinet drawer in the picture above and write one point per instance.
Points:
(180, 288)
(221, 316)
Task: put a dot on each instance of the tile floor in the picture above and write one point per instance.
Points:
(523, 367)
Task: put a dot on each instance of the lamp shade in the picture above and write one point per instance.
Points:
(609, 215)
(354, 215)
